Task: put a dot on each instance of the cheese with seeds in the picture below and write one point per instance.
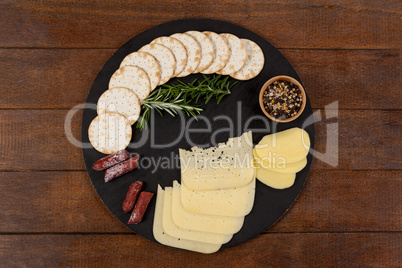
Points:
(200, 222)
(172, 229)
(235, 202)
(162, 237)
(230, 165)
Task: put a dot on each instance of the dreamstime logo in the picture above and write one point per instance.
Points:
(234, 128)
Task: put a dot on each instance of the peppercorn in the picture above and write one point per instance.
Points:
(282, 99)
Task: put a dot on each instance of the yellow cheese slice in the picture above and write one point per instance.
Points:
(228, 166)
(165, 239)
(200, 222)
(234, 202)
(173, 230)
(280, 167)
(275, 179)
(289, 146)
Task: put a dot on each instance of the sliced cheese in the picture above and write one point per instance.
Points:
(173, 230)
(280, 167)
(230, 165)
(165, 239)
(274, 179)
(234, 202)
(199, 222)
(288, 146)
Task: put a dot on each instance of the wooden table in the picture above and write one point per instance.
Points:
(345, 51)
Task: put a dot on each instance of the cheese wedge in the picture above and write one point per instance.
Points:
(173, 230)
(281, 167)
(288, 146)
(202, 223)
(165, 239)
(274, 179)
(230, 165)
(235, 202)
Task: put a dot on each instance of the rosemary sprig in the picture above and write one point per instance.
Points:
(182, 97)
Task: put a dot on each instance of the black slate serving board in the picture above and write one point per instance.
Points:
(241, 106)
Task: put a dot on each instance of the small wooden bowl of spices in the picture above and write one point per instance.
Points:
(282, 99)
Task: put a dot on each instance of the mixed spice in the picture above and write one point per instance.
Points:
(282, 99)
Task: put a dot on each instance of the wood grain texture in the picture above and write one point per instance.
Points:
(268, 250)
(288, 24)
(35, 140)
(61, 78)
(339, 201)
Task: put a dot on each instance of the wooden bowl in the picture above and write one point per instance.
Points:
(289, 79)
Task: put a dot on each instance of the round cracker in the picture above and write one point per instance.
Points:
(120, 100)
(221, 55)
(110, 133)
(254, 62)
(165, 58)
(178, 49)
(193, 53)
(238, 54)
(207, 50)
(133, 78)
(147, 62)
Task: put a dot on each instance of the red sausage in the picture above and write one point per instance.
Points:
(140, 207)
(111, 160)
(120, 169)
(132, 195)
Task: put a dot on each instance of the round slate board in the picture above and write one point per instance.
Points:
(158, 145)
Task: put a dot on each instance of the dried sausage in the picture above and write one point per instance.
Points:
(120, 169)
(140, 207)
(111, 160)
(132, 195)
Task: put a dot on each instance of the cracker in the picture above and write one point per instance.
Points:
(207, 50)
(120, 100)
(147, 62)
(193, 53)
(178, 49)
(110, 133)
(221, 53)
(165, 58)
(254, 62)
(133, 78)
(238, 54)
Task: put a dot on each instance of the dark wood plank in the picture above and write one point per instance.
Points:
(61, 78)
(287, 24)
(268, 250)
(35, 140)
(336, 201)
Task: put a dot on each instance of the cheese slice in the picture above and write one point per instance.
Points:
(230, 165)
(234, 202)
(173, 230)
(288, 146)
(280, 167)
(165, 239)
(199, 222)
(275, 179)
